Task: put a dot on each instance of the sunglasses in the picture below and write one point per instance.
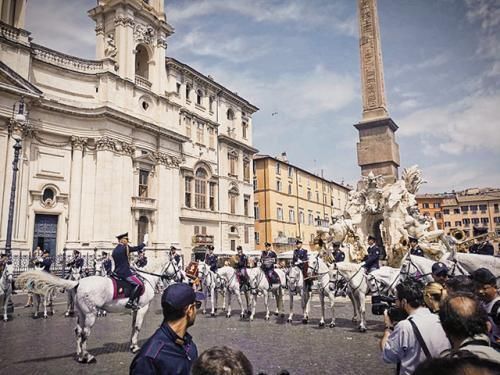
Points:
(197, 304)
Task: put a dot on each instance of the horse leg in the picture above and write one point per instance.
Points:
(266, 303)
(290, 316)
(281, 307)
(5, 305)
(137, 320)
(240, 301)
(213, 300)
(355, 317)
(89, 323)
(71, 304)
(331, 297)
(205, 291)
(305, 304)
(362, 310)
(228, 313)
(254, 304)
(322, 303)
(36, 297)
(80, 321)
(45, 303)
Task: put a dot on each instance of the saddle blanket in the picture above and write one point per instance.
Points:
(122, 288)
(192, 270)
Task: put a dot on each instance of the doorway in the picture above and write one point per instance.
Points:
(45, 233)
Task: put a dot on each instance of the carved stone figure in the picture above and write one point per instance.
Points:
(110, 50)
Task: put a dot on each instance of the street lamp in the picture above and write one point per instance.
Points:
(18, 122)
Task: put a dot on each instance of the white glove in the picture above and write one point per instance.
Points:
(146, 239)
(298, 262)
(362, 264)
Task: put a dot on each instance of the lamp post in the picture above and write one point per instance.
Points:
(19, 120)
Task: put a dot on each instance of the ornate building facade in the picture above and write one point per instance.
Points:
(132, 141)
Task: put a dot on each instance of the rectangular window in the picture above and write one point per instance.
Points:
(246, 235)
(257, 237)
(196, 229)
(485, 220)
(188, 91)
(309, 194)
(278, 168)
(233, 245)
(204, 230)
(211, 194)
(246, 170)
(279, 213)
(143, 183)
(200, 194)
(466, 222)
(291, 215)
(232, 164)
(475, 220)
(301, 217)
(310, 219)
(246, 201)
(199, 133)
(178, 88)
(446, 211)
(482, 207)
(254, 184)
(447, 224)
(278, 185)
(188, 128)
(425, 205)
(438, 215)
(456, 211)
(256, 211)
(437, 205)
(324, 199)
(211, 138)
(317, 197)
(290, 171)
(187, 191)
(464, 208)
(289, 189)
(473, 208)
(244, 128)
(495, 208)
(232, 203)
(211, 104)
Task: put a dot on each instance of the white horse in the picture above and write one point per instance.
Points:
(471, 262)
(232, 287)
(91, 293)
(46, 297)
(383, 281)
(75, 275)
(319, 270)
(210, 282)
(295, 280)
(6, 287)
(258, 282)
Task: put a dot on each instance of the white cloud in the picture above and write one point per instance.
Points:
(408, 104)
(301, 13)
(469, 125)
(432, 62)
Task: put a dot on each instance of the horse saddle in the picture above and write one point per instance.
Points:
(122, 288)
(192, 270)
(272, 277)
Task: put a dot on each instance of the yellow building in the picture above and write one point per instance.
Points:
(290, 202)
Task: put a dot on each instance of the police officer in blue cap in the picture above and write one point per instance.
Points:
(171, 349)
(211, 259)
(414, 248)
(370, 262)
(45, 262)
(440, 272)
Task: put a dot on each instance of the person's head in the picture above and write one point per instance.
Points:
(486, 284)
(298, 243)
(413, 241)
(104, 254)
(76, 253)
(173, 249)
(38, 248)
(440, 272)
(239, 249)
(123, 238)
(371, 240)
(210, 249)
(336, 245)
(180, 301)
(460, 284)
(222, 361)
(409, 295)
(45, 253)
(434, 294)
(467, 365)
(462, 316)
(267, 246)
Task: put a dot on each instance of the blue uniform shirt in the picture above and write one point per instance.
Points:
(120, 256)
(242, 262)
(299, 254)
(371, 260)
(107, 266)
(211, 260)
(46, 263)
(164, 353)
(417, 251)
(339, 256)
(77, 262)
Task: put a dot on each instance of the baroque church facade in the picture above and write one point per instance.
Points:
(132, 141)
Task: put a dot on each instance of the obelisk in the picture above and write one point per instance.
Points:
(377, 149)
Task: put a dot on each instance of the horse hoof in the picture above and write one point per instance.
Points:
(332, 325)
(224, 309)
(45, 316)
(215, 310)
(212, 315)
(267, 318)
(282, 316)
(305, 320)
(289, 320)
(362, 329)
(134, 349)
(91, 359)
(321, 324)
(5, 319)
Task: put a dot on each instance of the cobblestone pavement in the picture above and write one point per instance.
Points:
(47, 346)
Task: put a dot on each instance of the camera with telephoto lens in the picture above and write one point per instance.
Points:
(382, 303)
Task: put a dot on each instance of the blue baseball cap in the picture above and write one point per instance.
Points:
(180, 295)
(439, 269)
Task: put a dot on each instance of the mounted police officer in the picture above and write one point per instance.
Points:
(268, 260)
(370, 261)
(107, 263)
(241, 269)
(338, 254)
(44, 262)
(122, 268)
(174, 257)
(211, 259)
(142, 260)
(300, 259)
(481, 247)
(77, 261)
(414, 248)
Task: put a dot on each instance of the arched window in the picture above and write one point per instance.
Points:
(48, 196)
(200, 188)
(141, 62)
(230, 114)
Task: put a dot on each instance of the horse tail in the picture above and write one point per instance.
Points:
(40, 282)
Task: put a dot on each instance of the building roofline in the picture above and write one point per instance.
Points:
(262, 156)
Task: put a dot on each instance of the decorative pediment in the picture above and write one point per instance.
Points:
(146, 160)
(11, 81)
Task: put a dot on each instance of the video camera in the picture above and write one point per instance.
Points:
(382, 303)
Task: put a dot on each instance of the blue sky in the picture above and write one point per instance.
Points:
(301, 59)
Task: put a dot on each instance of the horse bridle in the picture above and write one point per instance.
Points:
(5, 278)
(417, 273)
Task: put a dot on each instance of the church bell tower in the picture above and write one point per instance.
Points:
(133, 35)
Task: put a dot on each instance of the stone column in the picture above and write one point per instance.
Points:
(75, 194)
(104, 190)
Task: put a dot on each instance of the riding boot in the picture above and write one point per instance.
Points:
(134, 297)
(13, 288)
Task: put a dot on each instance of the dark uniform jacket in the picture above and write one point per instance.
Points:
(484, 248)
(417, 251)
(299, 254)
(268, 254)
(164, 353)
(339, 256)
(108, 265)
(76, 263)
(211, 260)
(45, 264)
(177, 258)
(242, 262)
(371, 260)
(141, 262)
(120, 256)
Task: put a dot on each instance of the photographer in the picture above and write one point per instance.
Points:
(415, 338)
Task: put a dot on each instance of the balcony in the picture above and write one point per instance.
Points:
(143, 203)
(142, 82)
(202, 239)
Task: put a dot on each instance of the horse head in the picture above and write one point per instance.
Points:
(8, 273)
(76, 273)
